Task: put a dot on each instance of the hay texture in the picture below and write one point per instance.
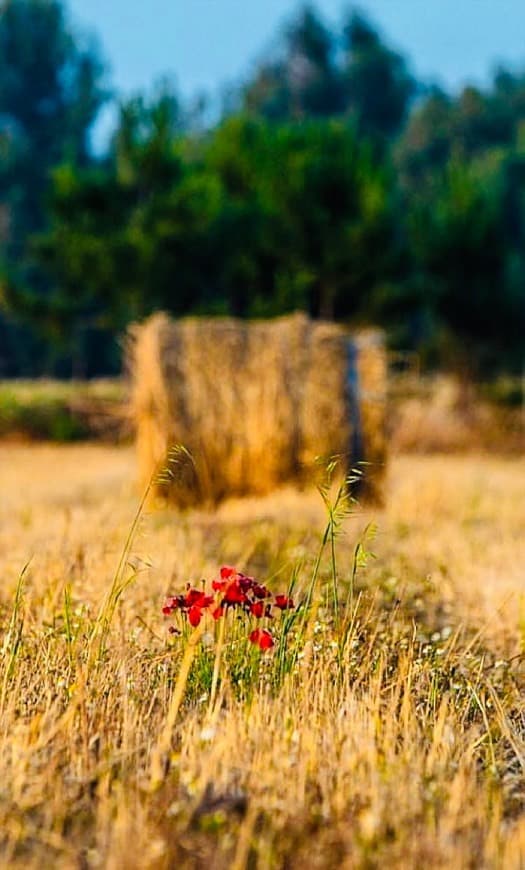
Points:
(255, 403)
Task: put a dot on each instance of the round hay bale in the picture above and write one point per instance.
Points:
(256, 403)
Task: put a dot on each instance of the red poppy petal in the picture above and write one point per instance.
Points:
(283, 602)
(266, 641)
(193, 596)
(234, 595)
(227, 571)
(261, 591)
(194, 616)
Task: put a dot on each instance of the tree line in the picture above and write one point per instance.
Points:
(333, 181)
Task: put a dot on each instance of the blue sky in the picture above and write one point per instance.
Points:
(206, 44)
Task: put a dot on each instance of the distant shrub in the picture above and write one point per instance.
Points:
(61, 411)
(505, 391)
(39, 418)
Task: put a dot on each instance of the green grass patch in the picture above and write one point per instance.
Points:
(60, 411)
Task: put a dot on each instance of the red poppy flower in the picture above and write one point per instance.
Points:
(194, 615)
(245, 583)
(228, 575)
(234, 595)
(257, 608)
(266, 641)
(261, 591)
(174, 602)
(283, 602)
(192, 596)
(197, 597)
(236, 590)
(263, 638)
(227, 571)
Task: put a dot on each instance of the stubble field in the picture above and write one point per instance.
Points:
(385, 728)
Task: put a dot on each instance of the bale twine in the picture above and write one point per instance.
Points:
(256, 403)
(368, 376)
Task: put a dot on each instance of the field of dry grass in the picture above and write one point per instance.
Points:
(386, 728)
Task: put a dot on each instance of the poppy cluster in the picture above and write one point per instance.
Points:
(232, 591)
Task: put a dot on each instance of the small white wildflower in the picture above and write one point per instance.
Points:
(207, 734)
(449, 736)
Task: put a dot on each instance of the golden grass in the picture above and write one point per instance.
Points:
(255, 402)
(399, 744)
(442, 415)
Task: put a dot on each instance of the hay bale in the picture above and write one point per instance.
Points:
(255, 402)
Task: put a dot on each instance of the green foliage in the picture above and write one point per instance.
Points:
(458, 240)
(310, 203)
(50, 92)
(506, 391)
(51, 89)
(467, 126)
(319, 191)
(57, 410)
(377, 84)
(263, 219)
(40, 418)
(320, 74)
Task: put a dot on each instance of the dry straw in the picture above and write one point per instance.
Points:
(255, 402)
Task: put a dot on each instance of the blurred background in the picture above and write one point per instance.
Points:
(363, 164)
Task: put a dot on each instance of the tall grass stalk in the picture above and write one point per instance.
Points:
(160, 752)
(13, 638)
(68, 623)
(217, 661)
(177, 459)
